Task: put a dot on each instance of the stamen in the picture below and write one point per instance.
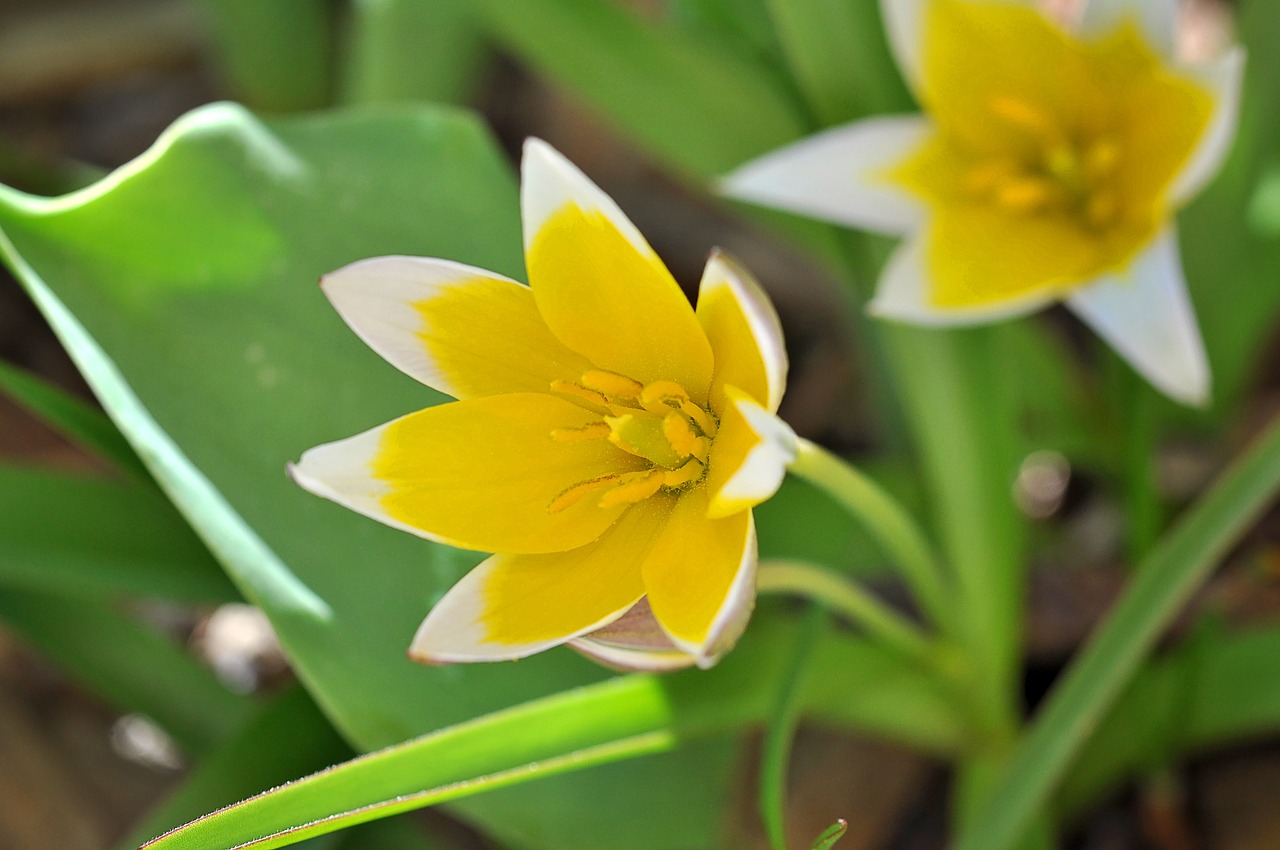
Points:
(662, 393)
(633, 487)
(593, 431)
(1026, 194)
(1101, 159)
(570, 496)
(700, 418)
(982, 179)
(687, 474)
(679, 433)
(612, 384)
(1022, 114)
(577, 392)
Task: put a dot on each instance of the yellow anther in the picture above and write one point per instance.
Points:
(702, 448)
(700, 418)
(660, 393)
(1102, 208)
(982, 179)
(570, 496)
(1026, 194)
(576, 392)
(612, 384)
(687, 474)
(679, 433)
(633, 487)
(1023, 115)
(594, 431)
(1101, 159)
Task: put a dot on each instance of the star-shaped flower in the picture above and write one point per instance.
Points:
(608, 441)
(1047, 166)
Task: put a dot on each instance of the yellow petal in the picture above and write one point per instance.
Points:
(600, 287)
(744, 332)
(700, 577)
(458, 329)
(749, 457)
(515, 605)
(478, 474)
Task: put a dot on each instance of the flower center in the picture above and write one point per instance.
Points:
(658, 422)
(1056, 173)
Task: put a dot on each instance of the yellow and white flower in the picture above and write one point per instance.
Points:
(1047, 166)
(608, 442)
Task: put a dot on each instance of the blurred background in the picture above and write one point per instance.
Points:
(87, 85)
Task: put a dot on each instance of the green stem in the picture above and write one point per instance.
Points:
(892, 527)
(847, 599)
(782, 729)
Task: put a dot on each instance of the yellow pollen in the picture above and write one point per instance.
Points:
(700, 417)
(612, 384)
(690, 473)
(1101, 159)
(1026, 194)
(702, 448)
(1023, 115)
(572, 495)
(633, 487)
(593, 431)
(661, 393)
(577, 392)
(982, 179)
(679, 434)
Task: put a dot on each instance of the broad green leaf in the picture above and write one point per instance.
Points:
(184, 288)
(130, 666)
(696, 108)
(404, 50)
(621, 718)
(207, 249)
(1165, 580)
(70, 534)
(285, 738)
(72, 417)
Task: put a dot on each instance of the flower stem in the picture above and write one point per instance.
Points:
(848, 599)
(892, 527)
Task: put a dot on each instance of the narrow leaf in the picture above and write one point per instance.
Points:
(130, 666)
(699, 110)
(1165, 580)
(831, 835)
(69, 534)
(73, 418)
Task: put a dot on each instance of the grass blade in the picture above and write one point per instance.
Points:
(1165, 580)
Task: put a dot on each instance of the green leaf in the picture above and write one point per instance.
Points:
(781, 730)
(831, 835)
(68, 534)
(73, 418)
(283, 739)
(207, 249)
(130, 666)
(698, 109)
(1215, 690)
(620, 718)
(405, 50)
(839, 58)
(1165, 580)
(276, 55)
